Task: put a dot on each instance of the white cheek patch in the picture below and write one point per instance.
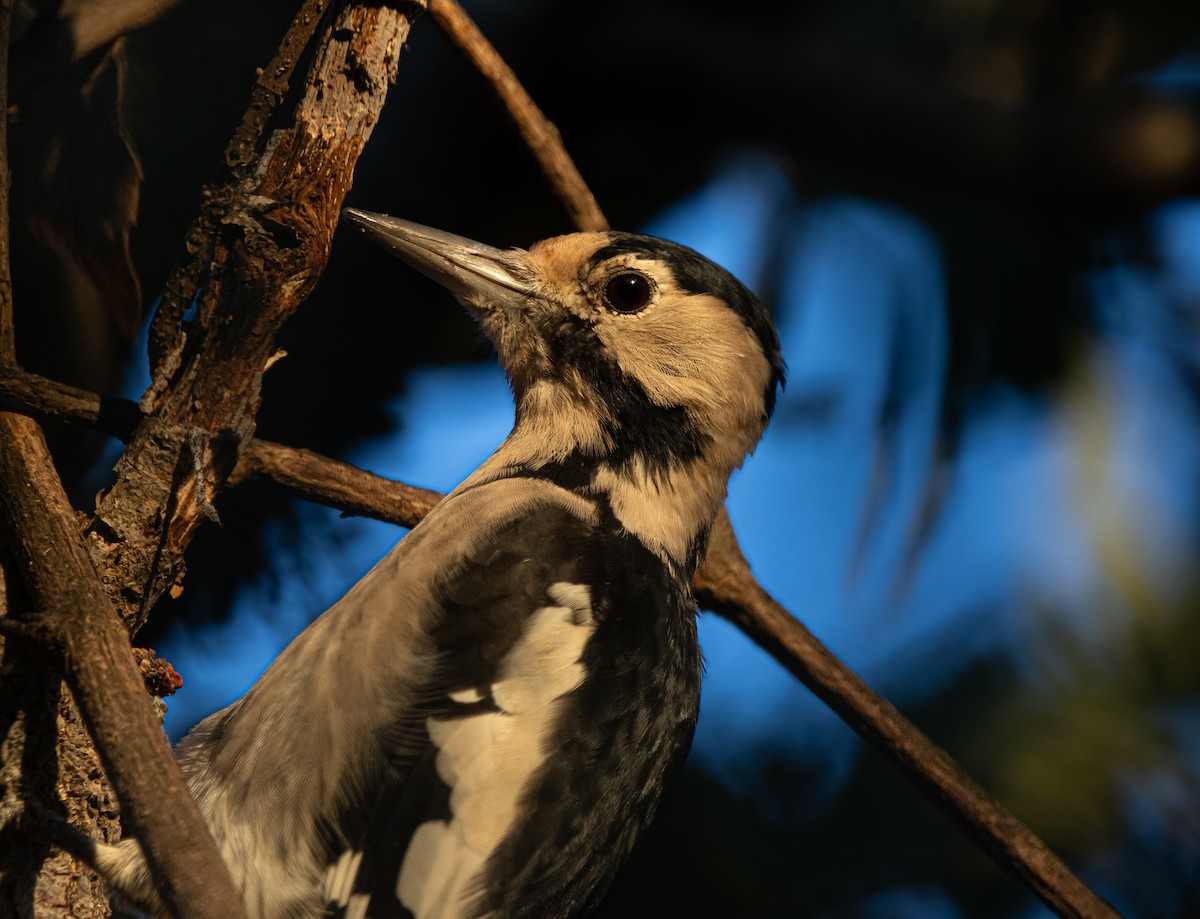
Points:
(488, 758)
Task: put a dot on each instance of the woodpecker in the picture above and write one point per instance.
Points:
(484, 723)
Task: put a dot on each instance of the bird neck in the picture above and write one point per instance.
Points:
(668, 509)
(670, 513)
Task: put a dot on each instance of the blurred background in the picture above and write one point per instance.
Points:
(977, 225)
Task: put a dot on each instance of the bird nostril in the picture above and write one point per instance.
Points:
(628, 292)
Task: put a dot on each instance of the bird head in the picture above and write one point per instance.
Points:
(633, 358)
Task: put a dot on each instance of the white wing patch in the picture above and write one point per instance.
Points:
(487, 759)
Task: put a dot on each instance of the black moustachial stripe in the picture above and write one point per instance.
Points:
(661, 436)
(698, 275)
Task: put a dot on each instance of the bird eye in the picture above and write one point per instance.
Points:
(628, 292)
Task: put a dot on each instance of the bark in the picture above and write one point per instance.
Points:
(258, 247)
(250, 259)
(72, 626)
(724, 584)
(45, 753)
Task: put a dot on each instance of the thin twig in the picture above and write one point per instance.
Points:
(335, 484)
(535, 129)
(723, 584)
(726, 585)
(313, 477)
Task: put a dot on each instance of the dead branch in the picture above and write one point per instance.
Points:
(76, 625)
(263, 241)
(230, 318)
(723, 584)
(165, 340)
(253, 255)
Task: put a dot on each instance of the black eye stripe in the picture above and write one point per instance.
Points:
(628, 292)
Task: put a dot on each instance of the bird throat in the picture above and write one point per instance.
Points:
(667, 500)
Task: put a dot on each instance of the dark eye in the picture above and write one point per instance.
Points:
(628, 292)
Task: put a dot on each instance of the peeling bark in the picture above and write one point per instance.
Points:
(262, 242)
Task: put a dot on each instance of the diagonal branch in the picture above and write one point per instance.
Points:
(726, 585)
(72, 619)
(268, 252)
(258, 248)
(253, 255)
(77, 625)
(723, 584)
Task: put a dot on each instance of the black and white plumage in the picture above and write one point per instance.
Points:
(484, 723)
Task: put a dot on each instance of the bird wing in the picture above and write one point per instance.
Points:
(514, 615)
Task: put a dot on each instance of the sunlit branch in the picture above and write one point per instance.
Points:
(71, 620)
(724, 584)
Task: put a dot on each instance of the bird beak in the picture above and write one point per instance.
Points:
(478, 275)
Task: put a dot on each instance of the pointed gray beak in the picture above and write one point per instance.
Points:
(478, 275)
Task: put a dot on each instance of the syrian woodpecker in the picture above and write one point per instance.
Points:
(484, 723)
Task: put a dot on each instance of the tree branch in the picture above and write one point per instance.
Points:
(78, 626)
(313, 477)
(335, 484)
(81, 630)
(165, 339)
(253, 255)
(243, 316)
(726, 585)
(31, 394)
(264, 242)
(723, 584)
